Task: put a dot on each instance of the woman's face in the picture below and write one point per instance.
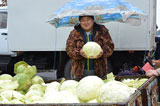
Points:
(87, 23)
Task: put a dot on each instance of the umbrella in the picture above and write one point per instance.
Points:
(102, 10)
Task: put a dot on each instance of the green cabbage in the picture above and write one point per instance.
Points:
(23, 67)
(31, 71)
(92, 49)
(20, 67)
(23, 80)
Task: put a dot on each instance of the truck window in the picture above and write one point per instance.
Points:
(3, 20)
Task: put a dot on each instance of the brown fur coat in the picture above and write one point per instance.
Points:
(75, 43)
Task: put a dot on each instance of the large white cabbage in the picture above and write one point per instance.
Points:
(35, 93)
(51, 97)
(51, 87)
(92, 49)
(88, 87)
(113, 92)
(69, 85)
(37, 87)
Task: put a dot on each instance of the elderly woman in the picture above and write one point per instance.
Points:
(87, 31)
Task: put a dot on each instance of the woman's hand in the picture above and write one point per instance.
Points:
(156, 63)
(91, 57)
(100, 54)
(151, 73)
(82, 53)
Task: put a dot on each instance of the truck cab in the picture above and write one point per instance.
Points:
(3, 30)
(5, 53)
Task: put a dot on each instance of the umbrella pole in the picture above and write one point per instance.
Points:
(55, 54)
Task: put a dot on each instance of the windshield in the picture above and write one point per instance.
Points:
(3, 20)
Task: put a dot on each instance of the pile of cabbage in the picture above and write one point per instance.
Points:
(135, 83)
(27, 88)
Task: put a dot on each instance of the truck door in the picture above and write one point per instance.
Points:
(3, 32)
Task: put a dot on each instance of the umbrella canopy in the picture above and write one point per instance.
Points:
(102, 10)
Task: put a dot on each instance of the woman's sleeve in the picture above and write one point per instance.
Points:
(71, 47)
(108, 45)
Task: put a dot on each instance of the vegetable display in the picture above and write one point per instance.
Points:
(27, 88)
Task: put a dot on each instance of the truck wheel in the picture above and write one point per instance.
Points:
(68, 70)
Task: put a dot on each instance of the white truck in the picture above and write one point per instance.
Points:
(32, 39)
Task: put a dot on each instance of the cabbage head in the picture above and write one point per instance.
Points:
(92, 49)
(35, 93)
(113, 92)
(51, 87)
(37, 80)
(31, 71)
(5, 77)
(88, 88)
(31, 93)
(51, 97)
(34, 99)
(20, 67)
(37, 87)
(69, 85)
(23, 67)
(23, 80)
